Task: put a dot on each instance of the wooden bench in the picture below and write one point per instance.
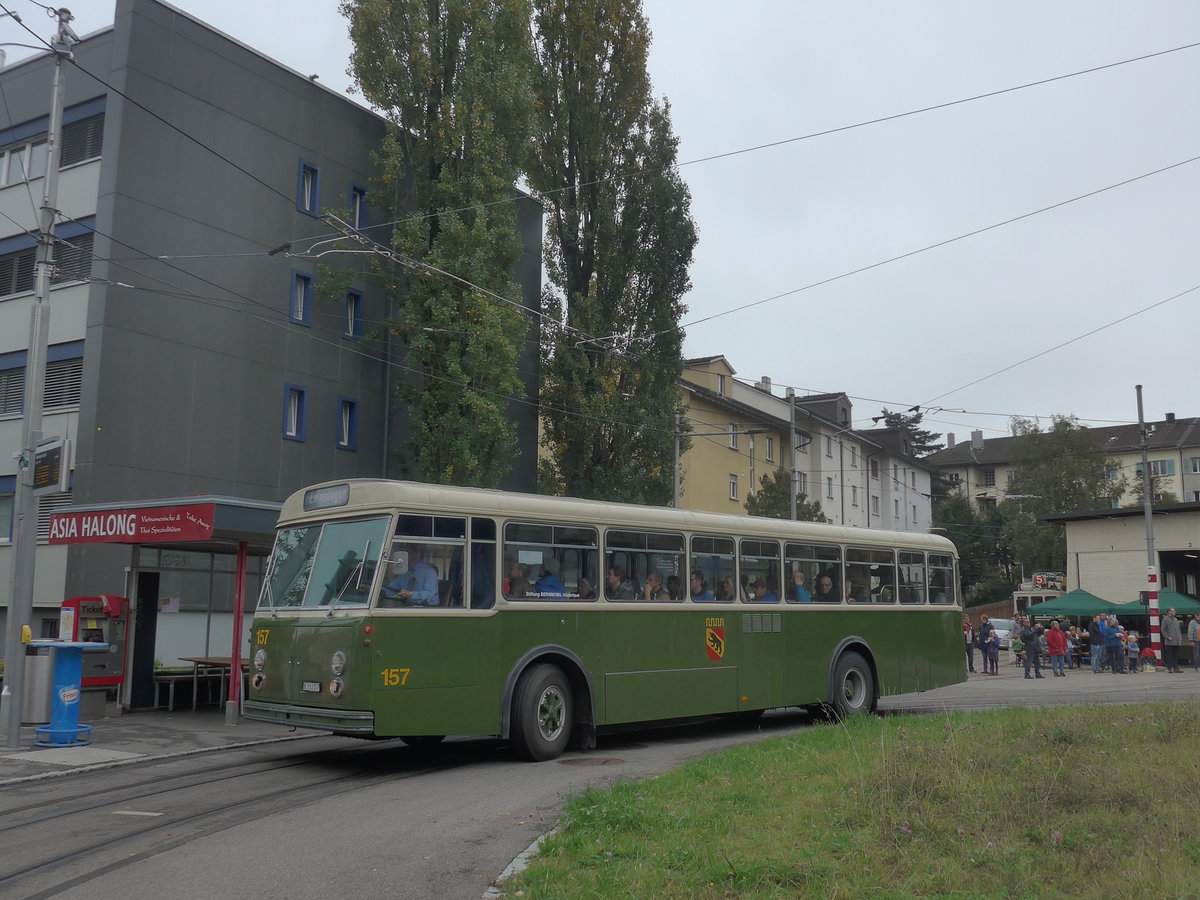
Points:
(170, 678)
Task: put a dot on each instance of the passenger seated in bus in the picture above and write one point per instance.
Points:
(825, 592)
(548, 586)
(725, 591)
(800, 593)
(418, 586)
(762, 594)
(700, 591)
(618, 586)
(586, 591)
(516, 586)
(673, 589)
(654, 591)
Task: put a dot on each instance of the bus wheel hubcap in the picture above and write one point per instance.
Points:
(853, 688)
(550, 713)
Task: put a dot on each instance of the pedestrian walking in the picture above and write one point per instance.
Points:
(1194, 637)
(1096, 643)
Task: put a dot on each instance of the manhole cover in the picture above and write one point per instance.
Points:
(593, 761)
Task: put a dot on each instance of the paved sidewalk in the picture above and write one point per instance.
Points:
(1009, 688)
(140, 736)
(154, 735)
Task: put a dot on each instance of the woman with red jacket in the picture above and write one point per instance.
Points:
(1056, 647)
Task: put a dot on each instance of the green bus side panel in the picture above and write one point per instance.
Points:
(459, 710)
(641, 696)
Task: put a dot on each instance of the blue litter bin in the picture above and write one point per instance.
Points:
(64, 729)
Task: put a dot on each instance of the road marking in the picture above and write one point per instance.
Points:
(135, 812)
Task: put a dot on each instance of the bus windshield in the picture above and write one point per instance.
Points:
(325, 565)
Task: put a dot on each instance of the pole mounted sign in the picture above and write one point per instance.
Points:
(141, 525)
(52, 466)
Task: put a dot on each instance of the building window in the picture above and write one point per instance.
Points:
(721, 384)
(913, 473)
(352, 315)
(358, 206)
(874, 505)
(1162, 467)
(914, 514)
(82, 141)
(896, 509)
(294, 413)
(829, 488)
(47, 505)
(6, 508)
(300, 302)
(63, 385)
(854, 455)
(308, 188)
(875, 469)
(1010, 477)
(854, 495)
(895, 476)
(771, 449)
(1195, 463)
(16, 271)
(22, 162)
(989, 477)
(955, 478)
(829, 445)
(802, 483)
(347, 433)
(733, 435)
(732, 487)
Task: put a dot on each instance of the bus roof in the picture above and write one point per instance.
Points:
(367, 495)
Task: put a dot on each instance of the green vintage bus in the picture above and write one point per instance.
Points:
(394, 609)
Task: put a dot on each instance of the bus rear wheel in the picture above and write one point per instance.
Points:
(853, 687)
(541, 714)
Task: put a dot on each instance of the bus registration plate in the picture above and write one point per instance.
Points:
(312, 687)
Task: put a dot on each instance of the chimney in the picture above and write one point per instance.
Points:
(950, 440)
(977, 440)
(764, 385)
(1170, 417)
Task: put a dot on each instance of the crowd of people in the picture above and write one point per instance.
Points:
(1107, 645)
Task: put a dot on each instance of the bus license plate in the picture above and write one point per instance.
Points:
(312, 687)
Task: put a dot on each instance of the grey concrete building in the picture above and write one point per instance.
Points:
(185, 361)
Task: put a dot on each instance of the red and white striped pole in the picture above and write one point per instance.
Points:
(1152, 601)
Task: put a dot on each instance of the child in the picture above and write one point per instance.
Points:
(1131, 652)
(1148, 659)
(991, 665)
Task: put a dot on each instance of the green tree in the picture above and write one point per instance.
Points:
(1060, 470)
(982, 549)
(452, 79)
(772, 500)
(619, 242)
(922, 441)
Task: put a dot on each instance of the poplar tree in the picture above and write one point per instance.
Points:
(619, 240)
(452, 79)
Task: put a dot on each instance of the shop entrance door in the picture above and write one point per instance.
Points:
(145, 630)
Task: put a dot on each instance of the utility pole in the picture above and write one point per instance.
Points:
(24, 543)
(1148, 511)
(791, 398)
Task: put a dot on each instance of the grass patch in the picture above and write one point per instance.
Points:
(1011, 803)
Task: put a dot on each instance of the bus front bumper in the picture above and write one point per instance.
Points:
(339, 721)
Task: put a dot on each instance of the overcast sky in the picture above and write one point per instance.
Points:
(929, 329)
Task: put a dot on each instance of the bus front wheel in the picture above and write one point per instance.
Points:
(541, 714)
(853, 687)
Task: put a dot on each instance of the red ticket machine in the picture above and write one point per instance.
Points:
(104, 620)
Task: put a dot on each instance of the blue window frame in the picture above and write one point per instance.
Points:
(358, 206)
(347, 424)
(300, 298)
(295, 412)
(308, 188)
(352, 315)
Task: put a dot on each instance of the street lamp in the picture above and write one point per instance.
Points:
(679, 434)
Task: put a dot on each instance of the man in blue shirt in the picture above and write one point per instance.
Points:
(762, 594)
(700, 591)
(800, 593)
(418, 586)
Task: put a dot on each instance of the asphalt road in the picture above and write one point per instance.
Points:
(330, 816)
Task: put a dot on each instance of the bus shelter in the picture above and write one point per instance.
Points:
(192, 563)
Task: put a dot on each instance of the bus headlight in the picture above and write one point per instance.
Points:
(337, 665)
(336, 687)
(260, 659)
